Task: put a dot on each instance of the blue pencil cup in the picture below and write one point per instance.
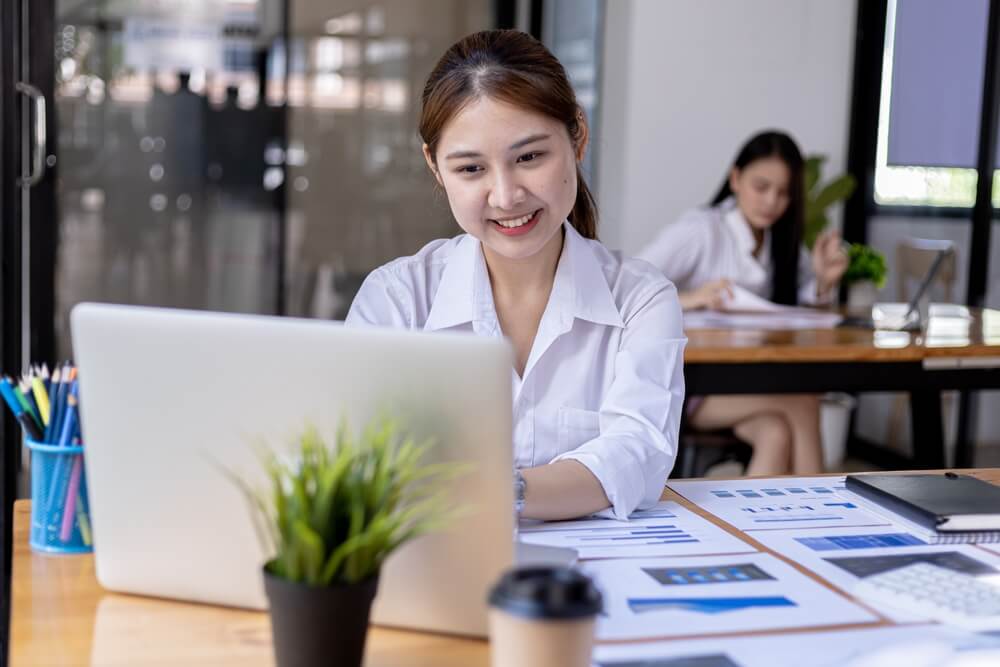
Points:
(60, 510)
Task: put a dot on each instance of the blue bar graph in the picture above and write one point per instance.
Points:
(706, 605)
(849, 542)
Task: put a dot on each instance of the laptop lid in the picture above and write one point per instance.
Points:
(169, 395)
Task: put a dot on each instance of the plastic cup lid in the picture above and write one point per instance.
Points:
(546, 592)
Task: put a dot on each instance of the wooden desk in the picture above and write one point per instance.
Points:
(61, 616)
(744, 361)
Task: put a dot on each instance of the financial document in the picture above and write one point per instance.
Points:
(843, 648)
(781, 503)
(668, 529)
(842, 556)
(672, 597)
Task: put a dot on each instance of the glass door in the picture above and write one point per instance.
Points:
(170, 135)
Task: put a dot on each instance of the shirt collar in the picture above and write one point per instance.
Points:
(740, 228)
(584, 283)
(459, 300)
(579, 289)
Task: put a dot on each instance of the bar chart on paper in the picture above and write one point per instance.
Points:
(664, 530)
(772, 504)
(850, 542)
(664, 597)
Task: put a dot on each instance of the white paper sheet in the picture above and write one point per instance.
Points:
(992, 548)
(844, 555)
(745, 301)
(668, 529)
(781, 503)
(746, 310)
(886, 646)
(800, 319)
(671, 597)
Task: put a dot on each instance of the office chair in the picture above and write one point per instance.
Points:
(913, 260)
(697, 451)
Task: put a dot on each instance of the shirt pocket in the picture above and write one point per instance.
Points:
(577, 426)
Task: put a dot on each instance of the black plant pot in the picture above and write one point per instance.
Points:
(319, 626)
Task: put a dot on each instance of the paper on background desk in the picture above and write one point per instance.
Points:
(842, 556)
(843, 648)
(781, 503)
(671, 597)
(801, 319)
(746, 310)
(667, 529)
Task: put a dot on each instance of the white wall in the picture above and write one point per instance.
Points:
(686, 82)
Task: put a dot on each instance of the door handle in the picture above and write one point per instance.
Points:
(40, 140)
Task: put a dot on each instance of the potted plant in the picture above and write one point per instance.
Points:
(865, 275)
(331, 516)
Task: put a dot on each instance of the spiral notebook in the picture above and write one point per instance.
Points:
(938, 508)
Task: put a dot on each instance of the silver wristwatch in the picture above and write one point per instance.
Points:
(519, 489)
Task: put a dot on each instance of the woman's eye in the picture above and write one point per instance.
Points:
(469, 169)
(528, 157)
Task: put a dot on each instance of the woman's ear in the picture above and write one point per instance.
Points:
(429, 158)
(583, 136)
(734, 179)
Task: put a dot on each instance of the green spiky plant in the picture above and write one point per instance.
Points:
(334, 514)
(820, 197)
(864, 262)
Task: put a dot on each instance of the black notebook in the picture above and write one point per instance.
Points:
(946, 504)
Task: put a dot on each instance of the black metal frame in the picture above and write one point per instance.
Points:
(868, 44)
(43, 223)
(10, 288)
(865, 103)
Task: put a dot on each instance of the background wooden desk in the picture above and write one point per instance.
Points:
(745, 361)
(61, 616)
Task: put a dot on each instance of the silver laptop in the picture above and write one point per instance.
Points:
(168, 396)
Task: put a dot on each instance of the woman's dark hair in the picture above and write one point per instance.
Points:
(786, 232)
(513, 67)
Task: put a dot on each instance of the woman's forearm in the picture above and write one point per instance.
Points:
(689, 300)
(562, 490)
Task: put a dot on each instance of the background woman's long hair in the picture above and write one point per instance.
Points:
(513, 67)
(786, 232)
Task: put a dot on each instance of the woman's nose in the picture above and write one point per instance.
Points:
(505, 193)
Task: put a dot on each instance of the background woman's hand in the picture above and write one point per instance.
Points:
(829, 260)
(712, 295)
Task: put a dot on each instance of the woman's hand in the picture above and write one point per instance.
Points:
(712, 295)
(829, 261)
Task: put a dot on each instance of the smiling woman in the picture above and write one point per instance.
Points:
(597, 339)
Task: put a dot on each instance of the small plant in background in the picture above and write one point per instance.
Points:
(865, 263)
(332, 515)
(820, 197)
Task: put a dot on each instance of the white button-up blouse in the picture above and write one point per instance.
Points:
(716, 242)
(604, 379)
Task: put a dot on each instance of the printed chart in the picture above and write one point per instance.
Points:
(653, 598)
(775, 504)
(844, 555)
(665, 530)
(876, 646)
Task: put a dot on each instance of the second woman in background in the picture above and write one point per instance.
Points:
(750, 238)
